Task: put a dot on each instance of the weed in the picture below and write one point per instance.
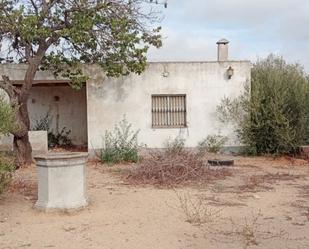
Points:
(120, 144)
(196, 210)
(212, 144)
(174, 146)
(60, 139)
(42, 123)
(250, 231)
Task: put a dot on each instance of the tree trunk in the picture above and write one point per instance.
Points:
(23, 151)
(21, 145)
(18, 101)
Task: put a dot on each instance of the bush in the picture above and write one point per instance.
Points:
(6, 171)
(174, 146)
(6, 126)
(212, 144)
(6, 117)
(120, 144)
(43, 123)
(61, 139)
(273, 116)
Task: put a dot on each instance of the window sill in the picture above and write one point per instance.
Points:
(169, 127)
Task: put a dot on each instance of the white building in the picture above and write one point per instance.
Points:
(169, 98)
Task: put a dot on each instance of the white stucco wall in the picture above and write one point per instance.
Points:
(204, 83)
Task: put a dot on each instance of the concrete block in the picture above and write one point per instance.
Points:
(38, 141)
(61, 181)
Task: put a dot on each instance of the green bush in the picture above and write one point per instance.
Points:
(174, 146)
(273, 116)
(43, 123)
(60, 139)
(212, 144)
(6, 117)
(120, 144)
(6, 171)
(6, 126)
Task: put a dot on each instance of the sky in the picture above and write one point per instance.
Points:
(255, 28)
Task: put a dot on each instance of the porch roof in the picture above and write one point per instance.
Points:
(44, 82)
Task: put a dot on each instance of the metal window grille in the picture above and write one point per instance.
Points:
(169, 111)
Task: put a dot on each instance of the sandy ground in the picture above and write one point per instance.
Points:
(265, 204)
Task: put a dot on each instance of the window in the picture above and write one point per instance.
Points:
(168, 111)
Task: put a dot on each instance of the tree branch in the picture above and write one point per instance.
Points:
(8, 87)
(36, 10)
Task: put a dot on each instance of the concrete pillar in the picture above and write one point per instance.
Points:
(61, 181)
(223, 50)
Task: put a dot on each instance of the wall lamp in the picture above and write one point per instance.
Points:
(230, 72)
(165, 71)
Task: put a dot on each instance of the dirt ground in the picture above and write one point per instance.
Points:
(264, 204)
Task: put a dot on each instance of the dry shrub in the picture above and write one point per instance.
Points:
(170, 168)
(196, 209)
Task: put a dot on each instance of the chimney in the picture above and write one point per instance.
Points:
(223, 50)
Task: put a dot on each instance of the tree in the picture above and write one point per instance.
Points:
(273, 115)
(61, 35)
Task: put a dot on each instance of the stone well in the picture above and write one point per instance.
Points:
(61, 181)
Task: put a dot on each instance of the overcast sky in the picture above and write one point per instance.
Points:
(191, 29)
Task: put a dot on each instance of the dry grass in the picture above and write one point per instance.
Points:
(250, 232)
(24, 187)
(166, 169)
(262, 182)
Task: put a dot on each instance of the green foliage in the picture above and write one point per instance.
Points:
(6, 170)
(113, 34)
(6, 117)
(120, 144)
(175, 146)
(60, 139)
(43, 123)
(212, 144)
(273, 116)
